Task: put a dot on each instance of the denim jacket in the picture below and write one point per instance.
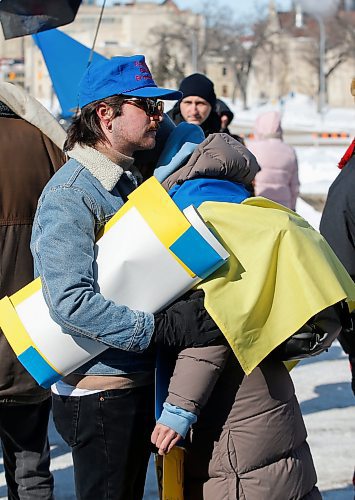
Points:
(76, 203)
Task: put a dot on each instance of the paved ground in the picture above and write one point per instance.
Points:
(327, 404)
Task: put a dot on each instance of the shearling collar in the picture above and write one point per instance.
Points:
(106, 171)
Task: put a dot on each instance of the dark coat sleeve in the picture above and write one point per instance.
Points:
(338, 219)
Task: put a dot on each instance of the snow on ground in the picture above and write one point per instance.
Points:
(299, 112)
(318, 167)
(309, 213)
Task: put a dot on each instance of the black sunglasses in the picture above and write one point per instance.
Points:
(151, 107)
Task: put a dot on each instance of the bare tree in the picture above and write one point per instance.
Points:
(160, 65)
(339, 44)
(193, 39)
(216, 35)
(238, 45)
(181, 47)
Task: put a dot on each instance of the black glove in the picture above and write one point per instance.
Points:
(186, 323)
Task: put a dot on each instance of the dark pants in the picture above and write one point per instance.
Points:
(109, 433)
(23, 433)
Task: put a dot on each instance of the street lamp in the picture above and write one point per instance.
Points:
(320, 11)
(194, 55)
(321, 100)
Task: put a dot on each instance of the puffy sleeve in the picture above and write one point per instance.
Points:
(195, 375)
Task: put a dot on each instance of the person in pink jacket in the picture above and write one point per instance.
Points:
(278, 178)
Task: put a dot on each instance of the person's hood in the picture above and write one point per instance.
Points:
(223, 109)
(218, 156)
(268, 125)
(28, 108)
(179, 146)
(175, 113)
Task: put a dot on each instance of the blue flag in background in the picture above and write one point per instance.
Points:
(66, 60)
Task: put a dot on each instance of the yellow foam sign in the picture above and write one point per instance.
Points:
(160, 212)
(13, 328)
(170, 474)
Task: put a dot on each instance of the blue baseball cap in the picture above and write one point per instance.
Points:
(121, 75)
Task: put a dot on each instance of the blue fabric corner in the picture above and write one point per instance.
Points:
(196, 191)
(38, 367)
(196, 253)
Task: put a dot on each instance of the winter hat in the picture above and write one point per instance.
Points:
(200, 86)
(121, 75)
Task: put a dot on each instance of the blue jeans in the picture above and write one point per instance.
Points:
(109, 434)
(23, 433)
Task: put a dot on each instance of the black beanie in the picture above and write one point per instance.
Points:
(200, 86)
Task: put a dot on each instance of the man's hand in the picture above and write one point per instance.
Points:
(164, 438)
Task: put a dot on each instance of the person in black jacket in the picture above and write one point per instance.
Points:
(338, 228)
(198, 104)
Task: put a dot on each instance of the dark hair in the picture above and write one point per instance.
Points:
(85, 128)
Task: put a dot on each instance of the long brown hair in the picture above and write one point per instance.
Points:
(85, 128)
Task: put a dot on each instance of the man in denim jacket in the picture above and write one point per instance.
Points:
(104, 410)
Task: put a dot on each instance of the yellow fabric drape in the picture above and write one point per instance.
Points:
(280, 273)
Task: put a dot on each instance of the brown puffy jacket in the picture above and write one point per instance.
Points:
(249, 442)
(28, 160)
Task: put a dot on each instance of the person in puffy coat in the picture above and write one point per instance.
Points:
(248, 438)
(278, 178)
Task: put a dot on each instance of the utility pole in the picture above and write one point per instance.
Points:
(193, 51)
(320, 11)
(321, 100)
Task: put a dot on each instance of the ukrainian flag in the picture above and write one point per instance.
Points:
(149, 224)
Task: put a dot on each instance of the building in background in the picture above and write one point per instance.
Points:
(12, 70)
(126, 29)
(172, 40)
